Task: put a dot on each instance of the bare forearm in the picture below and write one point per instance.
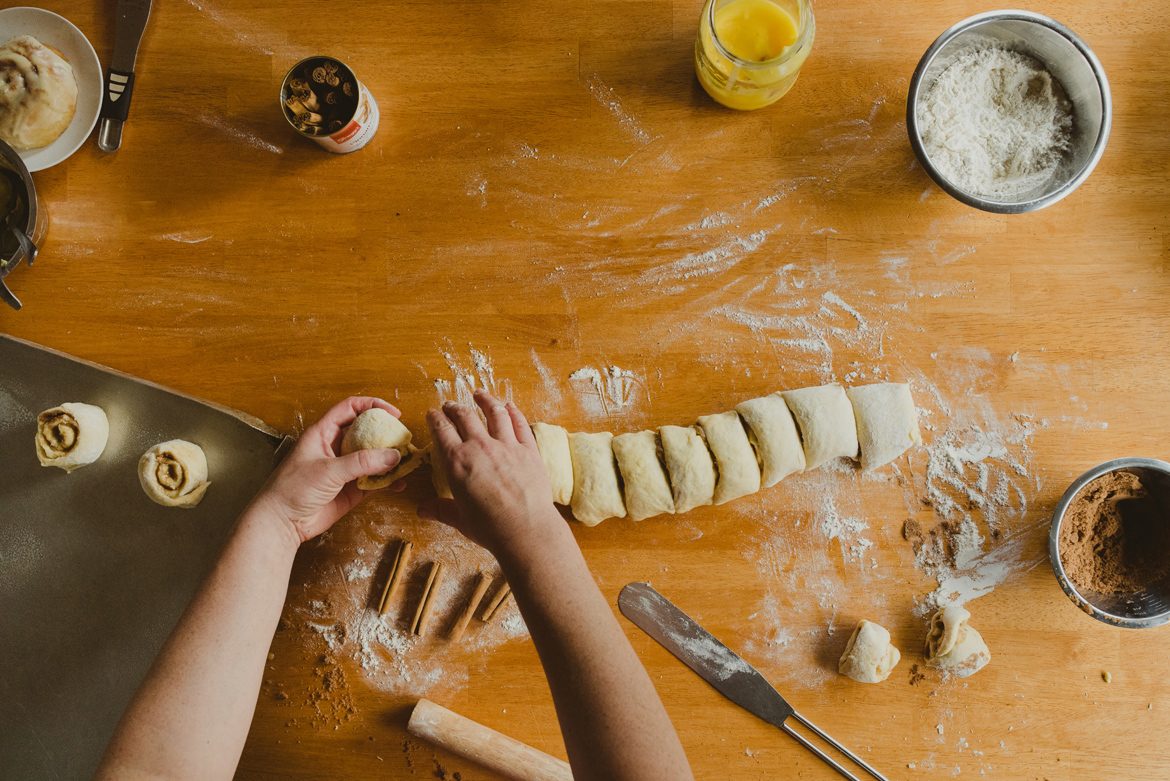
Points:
(613, 722)
(191, 716)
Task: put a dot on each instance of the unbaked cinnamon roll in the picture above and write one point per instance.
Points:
(38, 94)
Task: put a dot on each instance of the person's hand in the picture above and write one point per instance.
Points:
(502, 495)
(313, 486)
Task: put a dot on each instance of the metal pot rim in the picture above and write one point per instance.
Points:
(12, 160)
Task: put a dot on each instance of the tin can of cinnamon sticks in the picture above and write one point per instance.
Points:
(323, 100)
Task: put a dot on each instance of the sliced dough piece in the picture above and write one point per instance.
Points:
(72, 435)
(869, 656)
(597, 494)
(825, 418)
(174, 474)
(954, 645)
(553, 443)
(887, 423)
(438, 475)
(376, 429)
(689, 466)
(639, 458)
(772, 432)
(739, 472)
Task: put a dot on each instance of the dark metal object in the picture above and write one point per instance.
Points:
(93, 575)
(724, 669)
(119, 86)
(23, 214)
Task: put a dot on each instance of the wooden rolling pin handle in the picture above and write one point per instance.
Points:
(486, 747)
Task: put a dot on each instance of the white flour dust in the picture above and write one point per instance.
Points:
(236, 133)
(610, 101)
(608, 390)
(467, 374)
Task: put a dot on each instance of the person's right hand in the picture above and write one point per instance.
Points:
(502, 496)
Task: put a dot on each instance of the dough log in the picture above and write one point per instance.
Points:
(72, 435)
(739, 472)
(174, 474)
(596, 492)
(772, 432)
(376, 429)
(887, 423)
(639, 458)
(869, 656)
(689, 465)
(954, 645)
(553, 443)
(827, 426)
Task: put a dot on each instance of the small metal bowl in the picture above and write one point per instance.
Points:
(1139, 609)
(1065, 56)
(33, 227)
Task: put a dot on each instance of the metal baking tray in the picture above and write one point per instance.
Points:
(94, 575)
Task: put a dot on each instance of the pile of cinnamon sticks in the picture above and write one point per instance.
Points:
(426, 603)
(322, 99)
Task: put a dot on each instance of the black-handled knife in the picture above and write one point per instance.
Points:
(119, 86)
(724, 669)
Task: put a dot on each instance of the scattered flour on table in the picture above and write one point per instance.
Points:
(477, 371)
(237, 133)
(608, 390)
(613, 104)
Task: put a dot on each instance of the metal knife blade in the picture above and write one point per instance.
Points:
(130, 23)
(698, 649)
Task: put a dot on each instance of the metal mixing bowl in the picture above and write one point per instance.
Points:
(1065, 56)
(1139, 609)
(33, 226)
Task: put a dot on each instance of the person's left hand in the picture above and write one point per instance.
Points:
(313, 486)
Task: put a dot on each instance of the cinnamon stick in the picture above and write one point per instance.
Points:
(481, 587)
(426, 605)
(497, 602)
(396, 570)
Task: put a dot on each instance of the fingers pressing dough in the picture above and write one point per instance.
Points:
(689, 466)
(825, 418)
(772, 432)
(376, 429)
(72, 435)
(869, 656)
(739, 472)
(553, 443)
(887, 423)
(174, 474)
(646, 485)
(954, 645)
(596, 492)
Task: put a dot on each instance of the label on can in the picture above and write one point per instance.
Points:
(360, 129)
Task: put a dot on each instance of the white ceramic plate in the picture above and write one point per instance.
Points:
(58, 32)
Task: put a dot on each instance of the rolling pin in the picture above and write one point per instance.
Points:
(486, 747)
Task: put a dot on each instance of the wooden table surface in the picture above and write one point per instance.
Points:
(551, 191)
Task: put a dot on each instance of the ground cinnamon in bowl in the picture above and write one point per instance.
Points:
(1115, 536)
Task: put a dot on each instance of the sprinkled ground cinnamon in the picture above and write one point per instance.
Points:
(1115, 537)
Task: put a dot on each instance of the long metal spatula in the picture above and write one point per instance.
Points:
(721, 667)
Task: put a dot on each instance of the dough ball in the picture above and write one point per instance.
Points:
(954, 645)
(377, 429)
(869, 656)
(596, 492)
(739, 472)
(825, 418)
(772, 432)
(887, 423)
(174, 474)
(553, 444)
(71, 436)
(689, 466)
(647, 489)
(38, 94)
